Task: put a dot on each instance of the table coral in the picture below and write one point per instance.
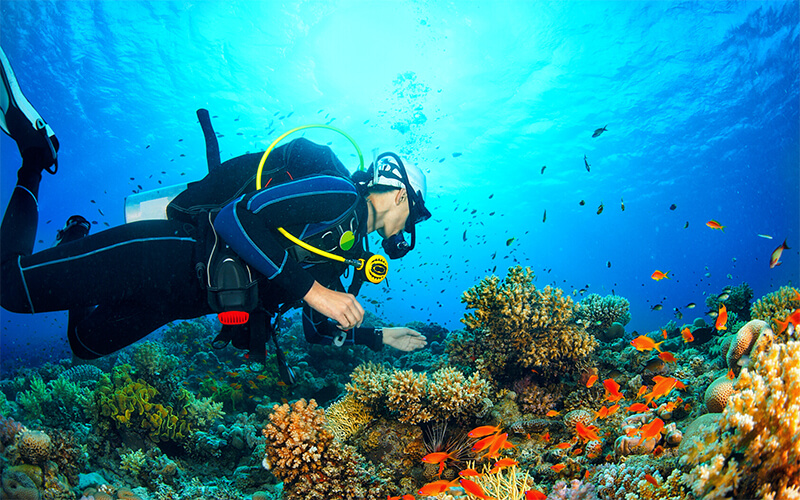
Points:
(526, 326)
(301, 452)
(754, 451)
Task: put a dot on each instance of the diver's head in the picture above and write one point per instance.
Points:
(401, 191)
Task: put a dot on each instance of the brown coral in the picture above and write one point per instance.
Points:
(717, 394)
(518, 324)
(754, 335)
(777, 305)
(301, 452)
(34, 446)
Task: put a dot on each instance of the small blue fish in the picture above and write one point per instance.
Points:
(600, 131)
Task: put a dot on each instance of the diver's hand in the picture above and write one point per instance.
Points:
(404, 339)
(343, 308)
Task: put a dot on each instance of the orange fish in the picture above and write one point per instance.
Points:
(435, 458)
(613, 390)
(496, 446)
(658, 275)
(662, 387)
(469, 473)
(668, 357)
(591, 381)
(563, 446)
(664, 333)
(652, 429)
(436, 487)
(484, 443)
(577, 451)
(473, 488)
(252, 384)
(687, 335)
(687, 407)
(638, 407)
(535, 495)
(232, 374)
(602, 413)
(613, 409)
(642, 390)
(658, 451)
(793, 319)
(505, 462)
(715, 225)
(722, 318)
(587, 433)
(484, 430)
(261, 377)
(731, 375)
(546, 437)
(553, 413)
(645, 343)
(774, 259)
(650, 479)
(558, 467)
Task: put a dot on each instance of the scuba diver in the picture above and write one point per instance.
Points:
(228, 246)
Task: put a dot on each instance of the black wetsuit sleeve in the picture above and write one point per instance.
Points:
(320, 330)
(249, 225)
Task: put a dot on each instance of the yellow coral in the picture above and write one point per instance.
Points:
(448, 394)
(777, 305)
(533, 327)
(347, 416)
(761, 423)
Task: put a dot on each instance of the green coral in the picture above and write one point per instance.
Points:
(515, 325)
(58, 401)
(151, 360)
(738, 301)
(125, 403)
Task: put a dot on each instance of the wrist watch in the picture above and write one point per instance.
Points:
(379, 334)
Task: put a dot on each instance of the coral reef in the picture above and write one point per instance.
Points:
(598, 314)
(416, 399)
(750, 338)
(122, 403)
(302, 452)
(777, 305)
(515, 324)
(717, 394)
(347, 416)
(737, 301)
(753, 452)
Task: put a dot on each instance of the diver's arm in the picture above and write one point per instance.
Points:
(320, 330)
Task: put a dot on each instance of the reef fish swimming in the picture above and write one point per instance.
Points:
(599, 131)
(774, 259)
(658, 275)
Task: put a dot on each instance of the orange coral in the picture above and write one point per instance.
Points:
(299, 438)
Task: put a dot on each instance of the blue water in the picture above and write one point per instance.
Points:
(700, 98)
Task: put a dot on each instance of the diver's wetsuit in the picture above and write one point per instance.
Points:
(142, 275)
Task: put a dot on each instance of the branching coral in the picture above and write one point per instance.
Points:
(754, 452)
(515, 323)
(301, 452)
(598, 313)
(416, 398)
(777, 305)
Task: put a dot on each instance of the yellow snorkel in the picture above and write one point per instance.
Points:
(376, 266)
